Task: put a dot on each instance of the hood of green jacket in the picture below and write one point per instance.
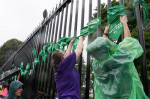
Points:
(12, 89)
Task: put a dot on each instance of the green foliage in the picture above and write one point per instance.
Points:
(7, 49)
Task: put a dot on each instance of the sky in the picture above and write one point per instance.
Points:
(18, 18)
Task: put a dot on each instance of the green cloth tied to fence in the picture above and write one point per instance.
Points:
(115, 76)
(145, 9)
(49, 49)
(12, 65)
(27, 66)
(21, 65)
(36, 61)
(34, 52)
(64, 41)
(113, 16)
(92, 25)
(45, 53)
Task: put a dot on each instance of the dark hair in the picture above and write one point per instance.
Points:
(56, 58)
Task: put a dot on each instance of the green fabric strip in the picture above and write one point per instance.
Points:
(145, 9)
(34, 52)
(21, 65)
(113, 16)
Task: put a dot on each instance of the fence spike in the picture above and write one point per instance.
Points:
(60, 2)
(56, 6)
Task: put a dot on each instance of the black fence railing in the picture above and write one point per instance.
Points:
(63, 21)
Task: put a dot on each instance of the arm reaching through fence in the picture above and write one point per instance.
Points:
(68, 51)
(80, 47)
(106, 31)
(124, 21)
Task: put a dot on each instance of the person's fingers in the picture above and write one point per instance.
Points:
(83, 38)
(73, 40)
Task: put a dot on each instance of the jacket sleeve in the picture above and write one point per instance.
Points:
(128, 50)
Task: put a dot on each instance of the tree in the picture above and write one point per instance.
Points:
(7, 49)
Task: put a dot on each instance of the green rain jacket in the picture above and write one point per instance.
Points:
(12, 89)
(115, 76)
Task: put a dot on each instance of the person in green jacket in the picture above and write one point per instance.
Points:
(115, 75)
(15, 90)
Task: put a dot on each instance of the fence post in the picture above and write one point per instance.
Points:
(142, 42)
(88, 57)
(99, 15)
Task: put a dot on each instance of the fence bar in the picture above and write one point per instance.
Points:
(44, 66)
(33, 72)
(142, 42)
(122, 35)
(82, 25)
(48, 64)
(36, 68)
(40, 64)
(66, 16)
(108, 4)
(50, 29)
(60, 30)
(70, 22)
(76, 18)
(57, 27)
(88, 57)
(50, 73)
(53, 29)
(29, 46)
(99, 15)
(121, 1)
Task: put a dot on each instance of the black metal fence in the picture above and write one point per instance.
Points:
(65, 20)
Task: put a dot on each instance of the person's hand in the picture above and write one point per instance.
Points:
(82, 38)
(71, 42)
(123, 19)
(106, 29)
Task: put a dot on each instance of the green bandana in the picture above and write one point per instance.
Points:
(27, 66)
(34, 52)
(145, 9)
(21, 65)
(13, 66)
(92, 25)
(113, 15)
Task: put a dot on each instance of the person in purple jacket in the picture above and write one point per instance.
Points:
(66, 76)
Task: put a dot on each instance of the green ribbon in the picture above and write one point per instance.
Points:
(113, 16)
(145, 9)
(84, 31)
(92, 25)
(50, 48)
(114, 13)
(36, 61)
(27, 66)
(13, 66)
(34, 52)
(21, 65)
